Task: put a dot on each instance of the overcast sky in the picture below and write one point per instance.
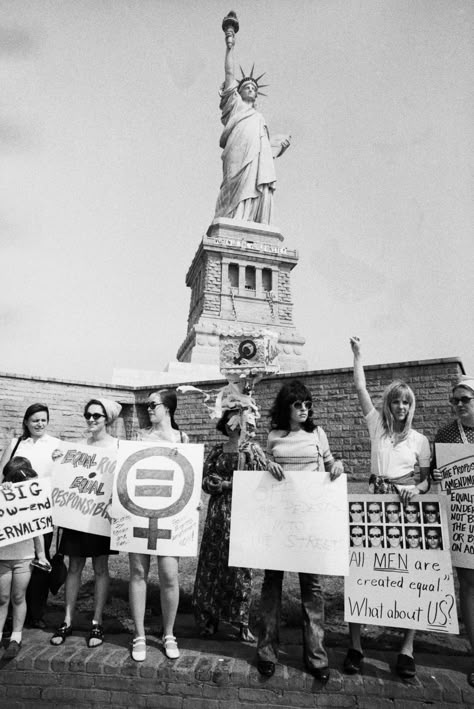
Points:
(110, 168)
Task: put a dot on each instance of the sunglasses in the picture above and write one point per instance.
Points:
(374, 510)
(393, 512)
(376, 534)
(432, 536)
(464, 400)
(153, 405)
(356, 509)
(393, 536)
(413, 536)
(430, 512)
(411, 511)
(357, 534)
(298, 405)
(96, 417)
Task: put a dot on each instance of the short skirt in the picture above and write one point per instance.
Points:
(75, 543)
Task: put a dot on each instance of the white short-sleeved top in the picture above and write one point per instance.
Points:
(300, 450)
(393, 461)
(38, 453)
(149, 434)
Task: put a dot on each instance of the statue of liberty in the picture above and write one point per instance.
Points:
(247, 153)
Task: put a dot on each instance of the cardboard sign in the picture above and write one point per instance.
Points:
(400, 571)
(296, 524)
(156, 494)
(25, 511)
(456, 461)
(82, 481)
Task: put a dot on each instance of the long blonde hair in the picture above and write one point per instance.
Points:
(397, 390)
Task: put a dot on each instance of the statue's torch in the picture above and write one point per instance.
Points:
(230, 27)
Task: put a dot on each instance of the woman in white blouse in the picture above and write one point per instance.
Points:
(37, 446)
(396, 449)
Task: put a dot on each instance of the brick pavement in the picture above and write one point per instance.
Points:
(219, 674)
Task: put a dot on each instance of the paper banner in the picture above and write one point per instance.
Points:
(82, 481)
(297, 524)
(400, 572)
(456, 461)
(25, 511)
(156, 494)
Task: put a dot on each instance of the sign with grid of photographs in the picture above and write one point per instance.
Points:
(400, 571)
(456, 462)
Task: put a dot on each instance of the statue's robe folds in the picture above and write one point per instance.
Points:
(247, 161)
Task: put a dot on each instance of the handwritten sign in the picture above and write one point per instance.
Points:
(297, 524)
(156, 494)
(456, 461)
(82, 481)
(25, 511)
(400, 571)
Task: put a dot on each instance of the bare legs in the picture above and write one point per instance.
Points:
(169, 590)
(73, 583)
(13, 587)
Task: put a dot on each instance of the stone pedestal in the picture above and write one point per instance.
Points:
(240, 277)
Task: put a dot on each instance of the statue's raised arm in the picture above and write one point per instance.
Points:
(247, 154)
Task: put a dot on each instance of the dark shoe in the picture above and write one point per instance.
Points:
(352, 662)
(266, 668)
(319, 673)
(36, 623)
(13, 648)
(96, 635)
(405, 667)
(63, 632)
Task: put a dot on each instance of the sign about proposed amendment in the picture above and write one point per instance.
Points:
(156, 495)
(296, 524)
(400, 571)
(25, 511)
(456, 461)
(82, 481)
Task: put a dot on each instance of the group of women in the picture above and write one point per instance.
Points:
(222, 593)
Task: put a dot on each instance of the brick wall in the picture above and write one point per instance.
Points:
(336, 405)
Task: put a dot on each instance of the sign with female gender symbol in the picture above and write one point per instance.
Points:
(155, 499)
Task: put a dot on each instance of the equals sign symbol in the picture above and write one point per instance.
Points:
(150, 490)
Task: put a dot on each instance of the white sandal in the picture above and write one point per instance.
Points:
(171, 647)
(139, 649)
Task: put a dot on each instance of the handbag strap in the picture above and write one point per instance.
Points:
(16, 446)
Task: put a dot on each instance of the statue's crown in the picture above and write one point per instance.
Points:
(253, 79)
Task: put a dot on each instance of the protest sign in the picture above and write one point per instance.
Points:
(82, 481)
(25, 511)
(296, 524)
(156, 494)
(400, 571)
(456, 462)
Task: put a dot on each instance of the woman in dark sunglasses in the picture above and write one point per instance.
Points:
(161, 408)
(295, 443)
(461, 430)
(78, 546)
(396, 449)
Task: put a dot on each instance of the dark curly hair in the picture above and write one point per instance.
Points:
(281, 409)
(18, 469)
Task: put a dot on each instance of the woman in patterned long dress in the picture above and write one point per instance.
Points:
(222, 592)
(461, 430)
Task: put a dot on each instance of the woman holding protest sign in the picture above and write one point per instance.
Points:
(295, 442)
(222, 592)
(37, 445)
(161, 407)
(396, 449)
(16, 561)
(461, 430)
(78, 546)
